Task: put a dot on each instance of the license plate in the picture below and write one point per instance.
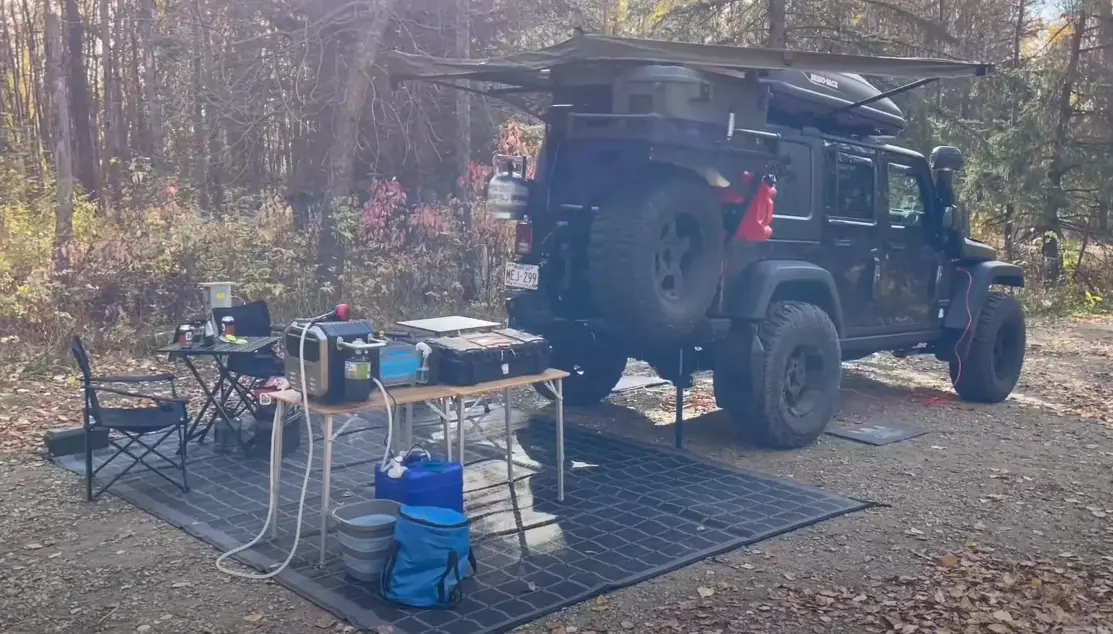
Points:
(523, 276)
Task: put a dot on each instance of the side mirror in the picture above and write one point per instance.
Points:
(946, 158)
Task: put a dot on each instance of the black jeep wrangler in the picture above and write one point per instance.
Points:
(628, 233)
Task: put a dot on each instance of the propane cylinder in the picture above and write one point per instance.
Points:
(508, 190)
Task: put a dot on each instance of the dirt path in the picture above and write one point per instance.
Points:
(999, 520)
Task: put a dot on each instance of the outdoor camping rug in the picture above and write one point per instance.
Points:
(631, 512)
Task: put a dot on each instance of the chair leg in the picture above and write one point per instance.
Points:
(184, 458)
(88, 466)
(141, 459)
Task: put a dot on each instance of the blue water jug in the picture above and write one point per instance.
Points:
(425, 482)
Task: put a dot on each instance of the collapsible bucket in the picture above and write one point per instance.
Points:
(366, 533)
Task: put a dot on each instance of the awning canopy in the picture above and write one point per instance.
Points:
(533, 70)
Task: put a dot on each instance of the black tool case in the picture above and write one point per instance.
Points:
(486, 356)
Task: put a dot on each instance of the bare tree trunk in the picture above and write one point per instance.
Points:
(344, 140)
(135, 117)
(80, 102)
(468, 281)
(38, 86)
(1105, 35)
(214, 181)
(200, 152)
(113, 113)
(463, 99)
(1010, 231)
(63, 161)
(153, 131)
(1010, 208)
(777, 25)
(1050, 226)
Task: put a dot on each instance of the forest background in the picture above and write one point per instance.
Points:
(149, 145)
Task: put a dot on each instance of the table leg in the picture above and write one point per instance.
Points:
(559, 391)
(326, 485)
(230, 386)
(192, 433)
(276, 466)
(442, 406)
(395, 431)
(243, 393)
(408, 433)
(509, 436)
(211, 397)
(460, 425)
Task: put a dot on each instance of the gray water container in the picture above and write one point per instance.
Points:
(366, 533)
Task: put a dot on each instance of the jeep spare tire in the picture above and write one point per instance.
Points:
(654, 257)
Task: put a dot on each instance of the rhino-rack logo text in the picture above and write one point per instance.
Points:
(823, 81)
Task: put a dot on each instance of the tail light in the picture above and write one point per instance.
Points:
(523, 237)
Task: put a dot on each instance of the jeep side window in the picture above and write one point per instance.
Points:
(906, 200)
(794, 183)
(850, 186)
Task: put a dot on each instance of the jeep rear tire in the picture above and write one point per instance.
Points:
(794, 399)
(992, 365)
(654, 258)
(593, 371)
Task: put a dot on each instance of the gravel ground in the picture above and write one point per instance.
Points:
(999, 520)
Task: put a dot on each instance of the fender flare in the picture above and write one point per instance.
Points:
(970, 293)
(749, 295)
(972, 283)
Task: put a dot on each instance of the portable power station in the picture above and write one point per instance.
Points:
(341, 358)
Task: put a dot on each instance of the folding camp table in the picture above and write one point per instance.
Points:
(433, 396)
(225, 386)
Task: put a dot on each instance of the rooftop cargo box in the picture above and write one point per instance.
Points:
(821, 100)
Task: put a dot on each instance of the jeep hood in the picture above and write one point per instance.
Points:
(532, 70)
(974, 251)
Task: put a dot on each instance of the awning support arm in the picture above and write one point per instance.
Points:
(885, 95)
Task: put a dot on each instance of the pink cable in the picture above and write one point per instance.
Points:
(969, 322)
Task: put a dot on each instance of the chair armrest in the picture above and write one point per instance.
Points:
(149, 397)
(144, 378)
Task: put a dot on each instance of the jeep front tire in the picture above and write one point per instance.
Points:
(655, 254)
(991, 368)
(793, 399)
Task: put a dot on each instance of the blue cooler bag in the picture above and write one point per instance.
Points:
(431, 555)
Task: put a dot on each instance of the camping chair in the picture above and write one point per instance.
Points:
(253, 319)
(132, 425)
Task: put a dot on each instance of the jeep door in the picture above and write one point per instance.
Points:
(852, 233)
(912, 265)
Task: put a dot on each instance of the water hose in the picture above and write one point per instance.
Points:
(276, 431)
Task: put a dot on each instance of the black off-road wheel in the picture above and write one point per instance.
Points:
(654, 257)
(593, 371)
(992, 365)
(793, 399)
